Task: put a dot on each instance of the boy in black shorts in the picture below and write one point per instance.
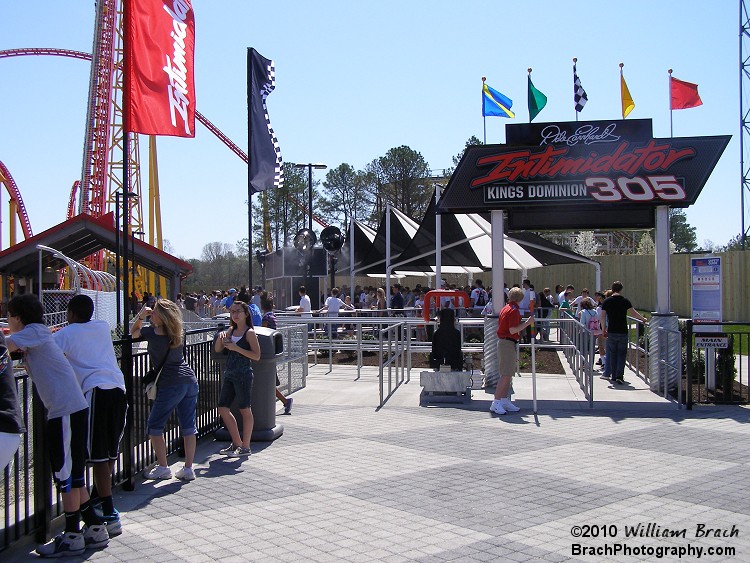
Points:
(67, 425)
(88, 346)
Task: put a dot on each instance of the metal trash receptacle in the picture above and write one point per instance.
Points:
(265, 428)
(271, 343)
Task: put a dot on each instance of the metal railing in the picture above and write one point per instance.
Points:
(392, 351)
(28, 500)
(578, 345)
(637, 331)
(671, 369)
(717, 374)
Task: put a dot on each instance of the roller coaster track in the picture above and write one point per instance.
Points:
(15, 196)
(38, 51)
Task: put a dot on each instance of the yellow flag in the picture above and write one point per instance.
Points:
(627, 100)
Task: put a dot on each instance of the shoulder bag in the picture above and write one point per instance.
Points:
(152, 378)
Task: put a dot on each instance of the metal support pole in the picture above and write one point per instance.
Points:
(309, 196)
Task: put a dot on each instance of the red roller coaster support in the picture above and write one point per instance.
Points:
(15, 195)
(95, 175)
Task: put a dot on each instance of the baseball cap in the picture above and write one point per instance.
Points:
(232, 290)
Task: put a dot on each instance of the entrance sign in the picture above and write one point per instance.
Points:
(706, 289)
(711, 341)
(598, 174)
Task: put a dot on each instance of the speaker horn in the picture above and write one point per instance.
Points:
(331, 238)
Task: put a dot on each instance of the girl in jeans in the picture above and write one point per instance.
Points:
(243, 348)
(177, 387)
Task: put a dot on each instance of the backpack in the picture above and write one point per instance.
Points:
(481, 299)
(593, 325)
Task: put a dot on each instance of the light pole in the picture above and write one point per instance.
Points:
(310, 167)
(121, 250)
(132, 257)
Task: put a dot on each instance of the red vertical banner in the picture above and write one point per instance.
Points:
(159, 78)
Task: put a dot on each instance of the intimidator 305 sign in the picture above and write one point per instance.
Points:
(597, 174)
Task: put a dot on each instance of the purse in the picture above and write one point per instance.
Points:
(152, 378)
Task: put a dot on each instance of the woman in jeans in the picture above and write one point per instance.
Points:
(177, 387)
(241, 344)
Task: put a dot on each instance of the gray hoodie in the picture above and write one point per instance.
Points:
(50, 371)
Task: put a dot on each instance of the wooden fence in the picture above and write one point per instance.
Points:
(636, 272)
(638, 276)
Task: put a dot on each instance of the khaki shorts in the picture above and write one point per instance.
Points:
(507, 354)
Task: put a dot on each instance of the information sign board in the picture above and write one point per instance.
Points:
(706, 289)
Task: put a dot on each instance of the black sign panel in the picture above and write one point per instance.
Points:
(573, 132)
(603, 180)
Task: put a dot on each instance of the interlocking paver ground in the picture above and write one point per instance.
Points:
(451, 482)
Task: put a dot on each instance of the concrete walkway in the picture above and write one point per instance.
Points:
(347, 482)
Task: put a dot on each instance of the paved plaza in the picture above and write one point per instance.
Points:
(452, 482)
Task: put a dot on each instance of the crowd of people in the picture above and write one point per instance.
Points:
(209, 304)
(525, 315)
(82, 387)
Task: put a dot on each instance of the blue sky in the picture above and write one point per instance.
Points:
(355, 79)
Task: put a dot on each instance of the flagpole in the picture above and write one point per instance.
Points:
(484, 117)
(249, 185)
(671, 134)
(529, 69)
(575, 60)
(622, 102)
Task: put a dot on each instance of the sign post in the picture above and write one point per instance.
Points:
(705, 286)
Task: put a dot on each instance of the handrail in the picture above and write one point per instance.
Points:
(29, 502)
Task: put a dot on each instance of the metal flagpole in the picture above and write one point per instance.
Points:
(671, 133)
(574, 88)
(249, 156)
(484, 117)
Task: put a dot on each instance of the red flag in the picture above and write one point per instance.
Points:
(159, 79)
(684, 94)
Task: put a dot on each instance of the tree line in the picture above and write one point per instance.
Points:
(401, 177)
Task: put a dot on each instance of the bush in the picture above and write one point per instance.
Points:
(726, 370)
(699, 364)
(699, 358)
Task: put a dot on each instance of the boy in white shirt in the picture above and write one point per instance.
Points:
(88, 346)
(66, 426)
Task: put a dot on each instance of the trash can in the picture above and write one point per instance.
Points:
(265, 428)
(271, 343)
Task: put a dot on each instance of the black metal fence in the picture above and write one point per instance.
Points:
(27, 495)
(716, 361)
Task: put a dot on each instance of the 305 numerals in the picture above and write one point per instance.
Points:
(636, 189)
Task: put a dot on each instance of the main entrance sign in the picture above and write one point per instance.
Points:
(600, 174)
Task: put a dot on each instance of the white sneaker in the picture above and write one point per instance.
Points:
(185, 474)
(508, 406)
(497, 407)
(158, 472)
(63, 545)
(96, 536)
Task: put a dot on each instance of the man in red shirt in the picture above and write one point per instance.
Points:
(510, 326)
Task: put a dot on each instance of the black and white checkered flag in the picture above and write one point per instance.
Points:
(579, 94)
(265, 168)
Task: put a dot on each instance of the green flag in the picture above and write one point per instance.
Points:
(537, 101)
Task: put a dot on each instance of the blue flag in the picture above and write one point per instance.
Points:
(495, 104)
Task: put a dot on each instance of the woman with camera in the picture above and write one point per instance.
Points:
(176, 387)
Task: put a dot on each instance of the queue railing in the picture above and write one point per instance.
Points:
(28, 498)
